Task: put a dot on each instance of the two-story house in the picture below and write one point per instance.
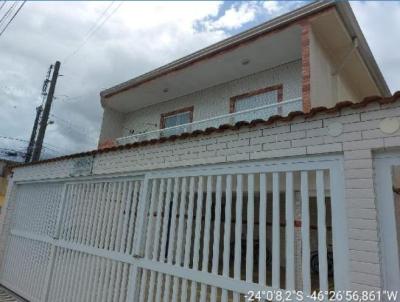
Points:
(267, 162)
(314, 56)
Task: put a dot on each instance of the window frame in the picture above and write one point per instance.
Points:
(175, 112)
(236, 98)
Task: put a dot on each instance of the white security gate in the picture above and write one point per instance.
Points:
(207, 233)
(217, 233)
(387, 182)
(71, 241)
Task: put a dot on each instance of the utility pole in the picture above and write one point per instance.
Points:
(45, 115)
(32, 140)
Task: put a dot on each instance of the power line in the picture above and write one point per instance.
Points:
(12, 18)
(72, 127)
(10, 9)
(96, 23)
(2, 5)
(92, 33)
(48, 146)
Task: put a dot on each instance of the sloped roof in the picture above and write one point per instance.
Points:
(343, 8)
(276, 118)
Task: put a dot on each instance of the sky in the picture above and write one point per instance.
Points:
(134, 37)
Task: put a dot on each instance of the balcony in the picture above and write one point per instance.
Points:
(263, 112)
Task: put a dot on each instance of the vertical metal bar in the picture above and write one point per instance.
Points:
(305, 233)
(122, 207)
(250, 228)
(262, 257)
(112, 285)
(85, 213)
(82, 214)
(275, 231)
(179, 240)
(227, 233)
(149, 231)
(197, 234)
(157, 238)
(217, 227)
(101, 220)
(92, 213)
(171, 243)
(112, 216)
(322, 250)
(164, 234)
(74, 211)
(122, 296)
(128, 206)
(107, 216)
(238, 232)
(132, 220)
(96, 214)
(118, 287)
(290, 271)
(188, 239)
(114, 228)
(206, 242)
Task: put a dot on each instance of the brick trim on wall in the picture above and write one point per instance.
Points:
(234, 99)
(305, 65)
(108, 143)
(189, 109)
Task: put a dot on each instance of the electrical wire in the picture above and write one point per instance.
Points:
(72, 127)
(91, 34)
(48, 146)
(10, 9)
(12, 18)
(96, 23)
(2, 5)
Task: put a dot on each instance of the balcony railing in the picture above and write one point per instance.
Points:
(263, 112)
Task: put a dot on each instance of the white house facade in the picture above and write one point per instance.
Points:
(266, 164)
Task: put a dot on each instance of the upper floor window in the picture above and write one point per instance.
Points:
(175, 118)
(271, 95)
(258, 98)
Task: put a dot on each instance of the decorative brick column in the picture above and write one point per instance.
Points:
(305, 65)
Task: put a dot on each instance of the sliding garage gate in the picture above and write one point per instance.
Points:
(217, 233)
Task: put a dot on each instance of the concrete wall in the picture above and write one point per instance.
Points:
(327, 88)
(360, 138)
(111, 125)
(214, 101)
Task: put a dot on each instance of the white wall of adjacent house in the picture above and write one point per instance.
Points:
(328, 86)
(302, 138)
(214, 101)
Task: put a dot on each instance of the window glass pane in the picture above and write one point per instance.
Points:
(177, 119)
(170, 121)
(254, 101)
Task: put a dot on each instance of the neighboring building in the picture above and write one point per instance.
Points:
(4, 172)
(213, 187)
(314, 56)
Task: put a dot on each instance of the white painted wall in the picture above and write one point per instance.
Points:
(111, 125)
(326, 88)
(214, 101)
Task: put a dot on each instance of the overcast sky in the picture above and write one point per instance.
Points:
(135, 37)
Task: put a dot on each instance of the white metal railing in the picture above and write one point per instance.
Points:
(263, 112)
